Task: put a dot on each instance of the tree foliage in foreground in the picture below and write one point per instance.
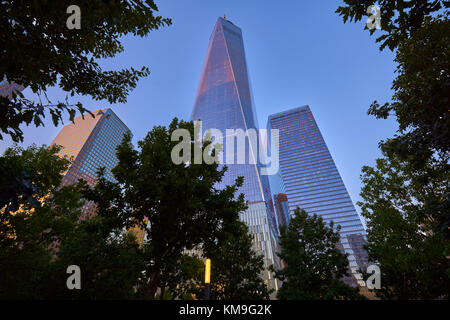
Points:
(407, 216)
(186, 279)
(314, 265)
(406, 196)
(399, 18)
(41, 235)
(421, 96)
(420, 100)
(39, 51)
(177, 204)
(28, 175)
(236, 271)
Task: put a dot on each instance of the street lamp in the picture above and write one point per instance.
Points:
(207, 278)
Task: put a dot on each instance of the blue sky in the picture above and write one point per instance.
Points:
(298, 52)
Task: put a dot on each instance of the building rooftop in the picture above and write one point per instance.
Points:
(293, 110)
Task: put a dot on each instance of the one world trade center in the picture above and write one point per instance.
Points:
(224, 102)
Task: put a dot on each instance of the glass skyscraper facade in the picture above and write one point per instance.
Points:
(313, 183)
(224, 101)
(92, 143)
(280, 199)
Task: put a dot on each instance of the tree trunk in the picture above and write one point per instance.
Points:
(163, 290)
(153, 283)
(163, 285)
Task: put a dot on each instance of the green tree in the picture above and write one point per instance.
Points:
(420, 99)
(111, 264)
(399, 18)
(405, 197)
(41, 235)
(236, 270)
(419, 31)
(177, 204)
(185, 280)
(421, 95)
(27, 240)
(28, 175)
(314, 265)
(405, 221)
(39, 51)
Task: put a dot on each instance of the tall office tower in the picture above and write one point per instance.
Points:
(224, 101)
(313, 182)
(7, 89)
(92, 143)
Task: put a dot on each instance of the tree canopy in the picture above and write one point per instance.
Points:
(236, 268)
(314, 265)
(407, 223)
(177, 204)
(43, 231)
(42, 234)
(39, 51)
(421, 95)
(399, 18)
(406, 195)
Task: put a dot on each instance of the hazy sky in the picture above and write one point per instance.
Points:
(298, 52)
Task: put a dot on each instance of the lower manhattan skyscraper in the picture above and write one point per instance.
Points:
(224, 101)
(313, 183)
(92, 143)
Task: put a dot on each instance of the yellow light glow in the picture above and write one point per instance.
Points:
(208, 270)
